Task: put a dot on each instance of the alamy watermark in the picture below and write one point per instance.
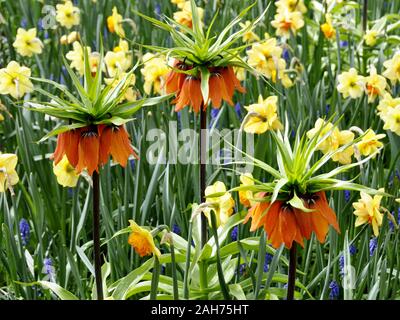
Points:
(222, 147)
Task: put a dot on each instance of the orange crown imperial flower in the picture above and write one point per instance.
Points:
(90, 147)
(285, 224)
(294, 205)
(222, 84)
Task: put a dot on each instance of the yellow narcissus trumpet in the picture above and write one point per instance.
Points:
(70, 38)
(375, 85)
(142, 241)
(263, 116)
(246, 196)
(154, 71)
(114, 23)
(392, 66)
(26, 42)
(249, 36)
(116, 63)
(222, 205)
(8, 175)
(351, 84)
(285, 22)
(370, 37)
(370, 143)
(65, 173)
(367, 210)
(68, 15)
(14, 80)
(334, 141)
(291, 5)
(327, 28)
(184, 17)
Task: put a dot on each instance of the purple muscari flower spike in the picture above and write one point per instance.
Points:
(341, 264)
(234, 233)
(327, 109)
(334, 286)
(157, 10)
(238, 111)
(344, 44)
(373, 244)
(352, 249)
(347, 195)
(24, 23)
(25, 231)
(176, 229)
(48, 268)
(268, 259)
(242, 268)
(40, 25)
(285, 55)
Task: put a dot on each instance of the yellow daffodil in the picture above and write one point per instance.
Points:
(142, 241)
(14, 80)
(26, 43)
(344, 137)
(375, 85)
(266, 58)
(249, 36)
(76, 56)
(367, 210)
(370, 143)
(389, 111)
(392, 66)
(70, 38)
(154, 72)
(114, 23)
(285, 22)
(322, 128)
(370, 37)
(263, 116)
(68, 15)
(387, 103)
(65, 173)
(351, 84)
(291, 5)
(1, 117)
(123, 46)
(130, 93)
(246, 196)
(327, 28)
(392, 120)
(179, 3)
(184, 16)
(116, 63)
(8, 175)
(222, 205)
(333, 141)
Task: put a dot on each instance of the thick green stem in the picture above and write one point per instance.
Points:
(292, 272)
(203, 155)
(96, 235)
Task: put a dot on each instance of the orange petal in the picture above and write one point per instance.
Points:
(215, 90)
(88, 152)
(60, 149)
(71, 146)
(120, 146)
(195, 95)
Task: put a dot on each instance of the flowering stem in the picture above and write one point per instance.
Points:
(365, 15)
(203, 126)
(96, 235)
(292, 272)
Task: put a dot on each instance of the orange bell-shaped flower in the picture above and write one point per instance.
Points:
(285, 224)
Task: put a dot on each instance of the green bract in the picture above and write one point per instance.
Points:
(299, 169)
(200, 49)
(92, 103)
